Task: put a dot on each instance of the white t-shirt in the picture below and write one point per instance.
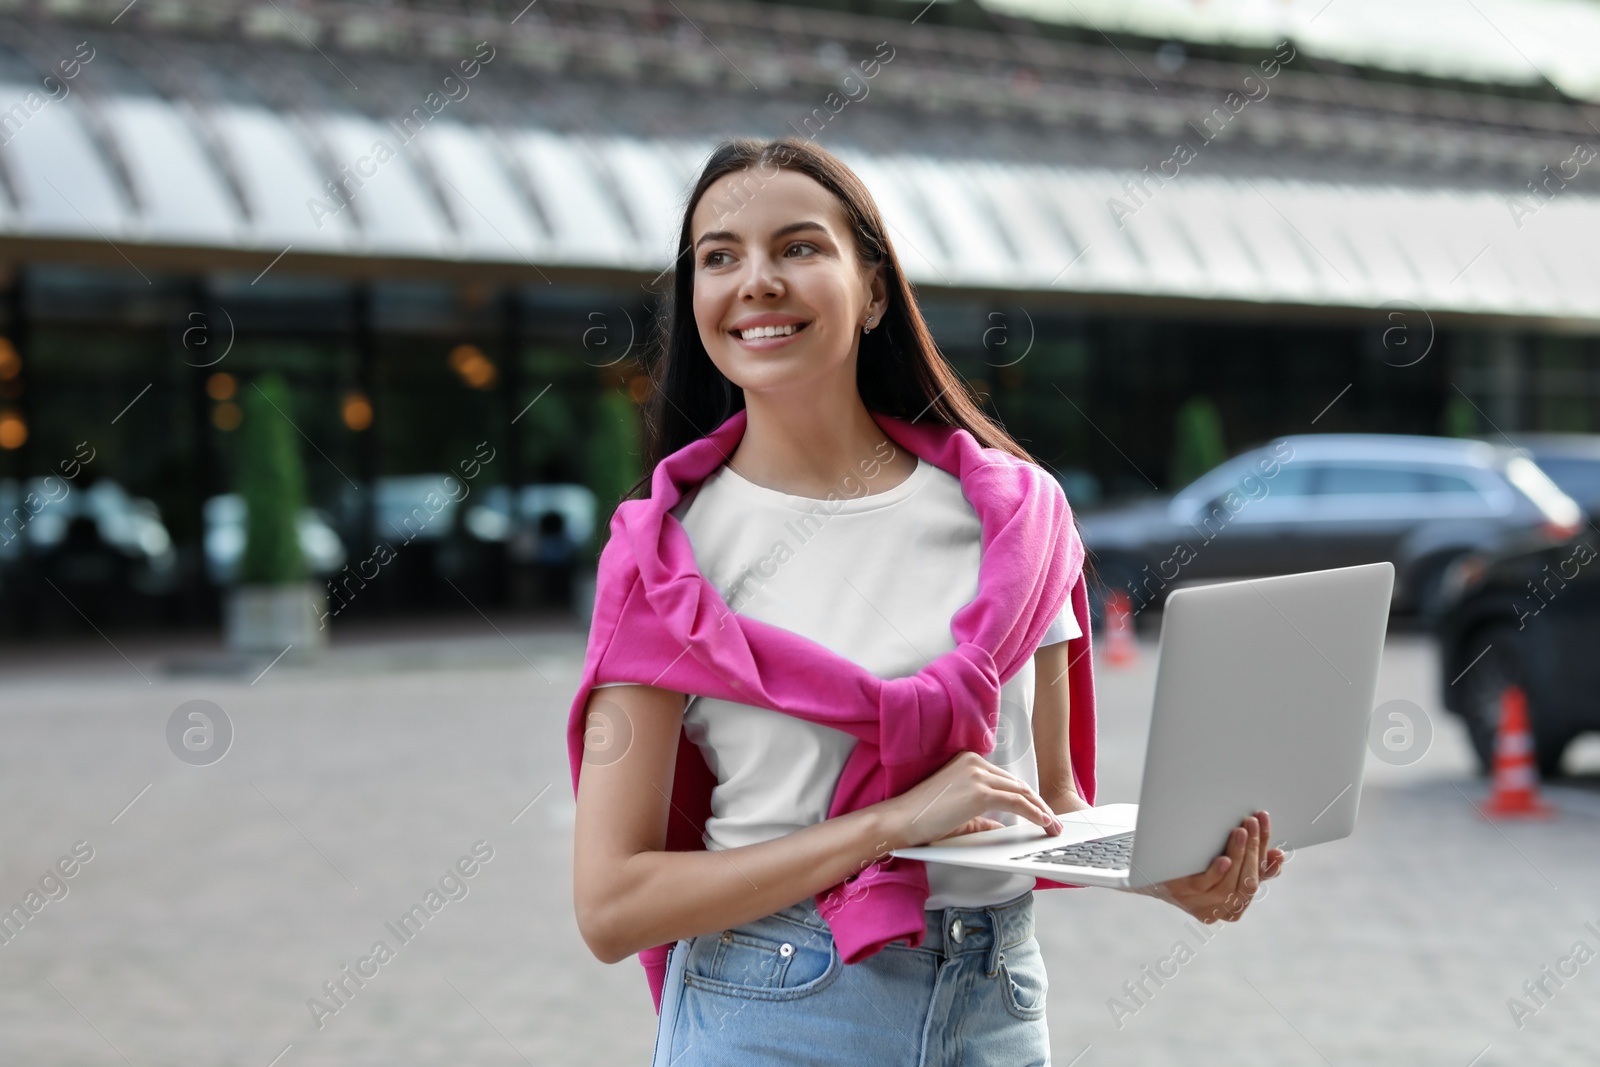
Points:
(874, 578)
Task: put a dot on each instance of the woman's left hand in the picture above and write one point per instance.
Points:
(1225, 888)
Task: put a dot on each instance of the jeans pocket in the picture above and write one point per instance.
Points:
(763, 960)
(1023, 980)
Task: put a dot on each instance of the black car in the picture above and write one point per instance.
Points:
(1314, 501)
(1572, 460)
(1527, 615)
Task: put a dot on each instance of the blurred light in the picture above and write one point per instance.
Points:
(638, 388)
(153, 538)
(487, 524)
(832, 55)
(221, 386)
(474, 368)
(475, 295)
(1563, 516)
(10, 362)
(226, 416)
(13, 431)
(357, 411)
(1464, 574)
(1561, 532)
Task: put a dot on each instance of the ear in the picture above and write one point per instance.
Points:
(878, 294)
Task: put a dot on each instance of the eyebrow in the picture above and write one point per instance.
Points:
(793, 227)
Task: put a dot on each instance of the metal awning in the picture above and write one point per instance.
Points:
(141, 170)
(1500, 42)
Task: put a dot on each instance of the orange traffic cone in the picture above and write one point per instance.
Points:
(1516, 781)
(1121, 649)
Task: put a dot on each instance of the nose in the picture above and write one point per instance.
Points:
(761, 279)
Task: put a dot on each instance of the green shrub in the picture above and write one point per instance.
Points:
(1460, 417)
(613, 463)
(1197, 441)
(272, 483)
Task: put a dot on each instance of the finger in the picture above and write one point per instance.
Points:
(1206, 880)
(1233, 853)
(1011, 784)
(1194, 889)
(1032, 808)
(1255, 870)
(1250, 872)
(1238, 838)
(1005, 779)
(1268, 864)
(1214, 874)
(1047, 818)
(1229, 883)
(996, 769)
(1274, 863)
(1240, 899)
(1000, 778)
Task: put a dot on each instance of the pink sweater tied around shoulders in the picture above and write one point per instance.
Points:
(658, 621)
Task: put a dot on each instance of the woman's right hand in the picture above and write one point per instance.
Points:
(952, 801)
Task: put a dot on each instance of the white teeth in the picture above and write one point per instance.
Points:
(767, 331)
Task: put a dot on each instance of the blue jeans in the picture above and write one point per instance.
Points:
(774, 991)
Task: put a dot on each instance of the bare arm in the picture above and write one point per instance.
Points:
(630, 894)
(1052, 706)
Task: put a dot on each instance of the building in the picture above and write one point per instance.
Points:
(448, 225)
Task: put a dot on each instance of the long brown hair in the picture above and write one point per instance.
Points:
(899, 369)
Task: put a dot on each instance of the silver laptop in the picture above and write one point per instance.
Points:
(1264, 690)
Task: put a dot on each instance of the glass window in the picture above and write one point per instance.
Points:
(1438, 482)
(1291, 480)
(1350, 479)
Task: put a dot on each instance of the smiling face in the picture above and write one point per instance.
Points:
(785, 266)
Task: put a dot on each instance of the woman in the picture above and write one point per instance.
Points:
(791, 316)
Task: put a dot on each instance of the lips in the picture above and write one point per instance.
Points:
(795, 328)
(763, 344)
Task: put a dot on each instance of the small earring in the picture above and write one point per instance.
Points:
(865, 329)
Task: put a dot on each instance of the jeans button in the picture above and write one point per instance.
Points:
(957, 931)
(786, 949)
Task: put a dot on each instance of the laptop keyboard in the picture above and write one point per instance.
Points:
(1112, 853)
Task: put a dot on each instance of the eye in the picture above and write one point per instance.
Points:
(709, 259)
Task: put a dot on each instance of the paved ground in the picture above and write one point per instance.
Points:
(220, 898)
